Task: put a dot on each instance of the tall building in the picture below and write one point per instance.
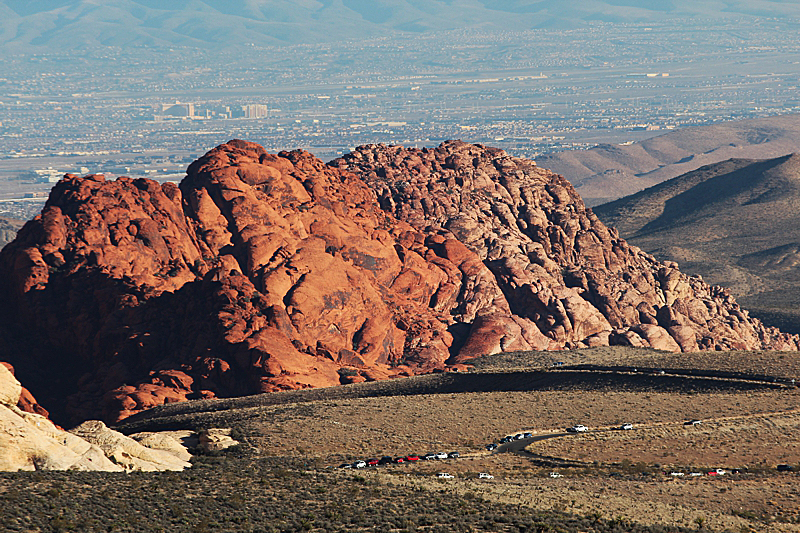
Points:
(255, 111)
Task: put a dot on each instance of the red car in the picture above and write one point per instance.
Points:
(373, 462)
(412, 457)
(399, 460)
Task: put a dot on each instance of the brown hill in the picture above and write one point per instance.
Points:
(8, 230)
(262, 273)
(608, 172)
(736, 223)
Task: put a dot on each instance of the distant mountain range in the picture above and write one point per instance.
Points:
(736, 223)
(77, 23)
(607, 172)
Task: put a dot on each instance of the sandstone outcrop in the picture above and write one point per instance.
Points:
(558, 278)
(29, 441)
(131, 454)
(265, 272)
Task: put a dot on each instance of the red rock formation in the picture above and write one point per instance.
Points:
(558, 278)
(265, 272)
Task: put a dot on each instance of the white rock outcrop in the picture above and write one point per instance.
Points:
(127, 452)
(30, 441)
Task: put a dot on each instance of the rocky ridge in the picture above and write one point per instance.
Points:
(265, 272)
(557, 277)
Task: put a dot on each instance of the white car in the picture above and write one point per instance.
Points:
(441, 455)
(444, 475)
(360, 464)
(484, 475)
(580, 428)
(626, 426)
(677, 474)
(555, 474)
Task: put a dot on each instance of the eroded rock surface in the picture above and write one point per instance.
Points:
(265, 272)
(558, 278)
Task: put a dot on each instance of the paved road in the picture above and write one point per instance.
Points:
(518, 446)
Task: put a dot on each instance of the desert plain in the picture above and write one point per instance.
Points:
(287, 474)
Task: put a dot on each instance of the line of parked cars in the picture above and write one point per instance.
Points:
(714, 472)
(411, 458)
(510, 438)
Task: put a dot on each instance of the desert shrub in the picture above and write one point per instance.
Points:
(233, 494)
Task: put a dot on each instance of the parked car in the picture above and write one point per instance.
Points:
(695, 474)
(346, 465)
(385, 460)
(430, 456)
(518, 436)
(527, 435)
(580, 428)
(677, 474)
(399, 460)
(785, 468)
(484, 475)
(693, 422)
(491, 446)
(441, 455)
(412, 457)
(504, 440)
(718, 472)
(453, 455)
(555, 474)
(373, 462)
(360, 464)
(444, 475)
(626, 426)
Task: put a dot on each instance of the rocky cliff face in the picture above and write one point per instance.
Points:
(264, 272)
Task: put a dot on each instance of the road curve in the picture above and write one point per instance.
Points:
(518, 446)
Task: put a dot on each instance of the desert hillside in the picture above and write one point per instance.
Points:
(8, 230)
(608, 172)
(735, 223)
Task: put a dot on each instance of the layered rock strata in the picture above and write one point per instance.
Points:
(265, 272)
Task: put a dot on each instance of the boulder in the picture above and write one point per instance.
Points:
(127, 452)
